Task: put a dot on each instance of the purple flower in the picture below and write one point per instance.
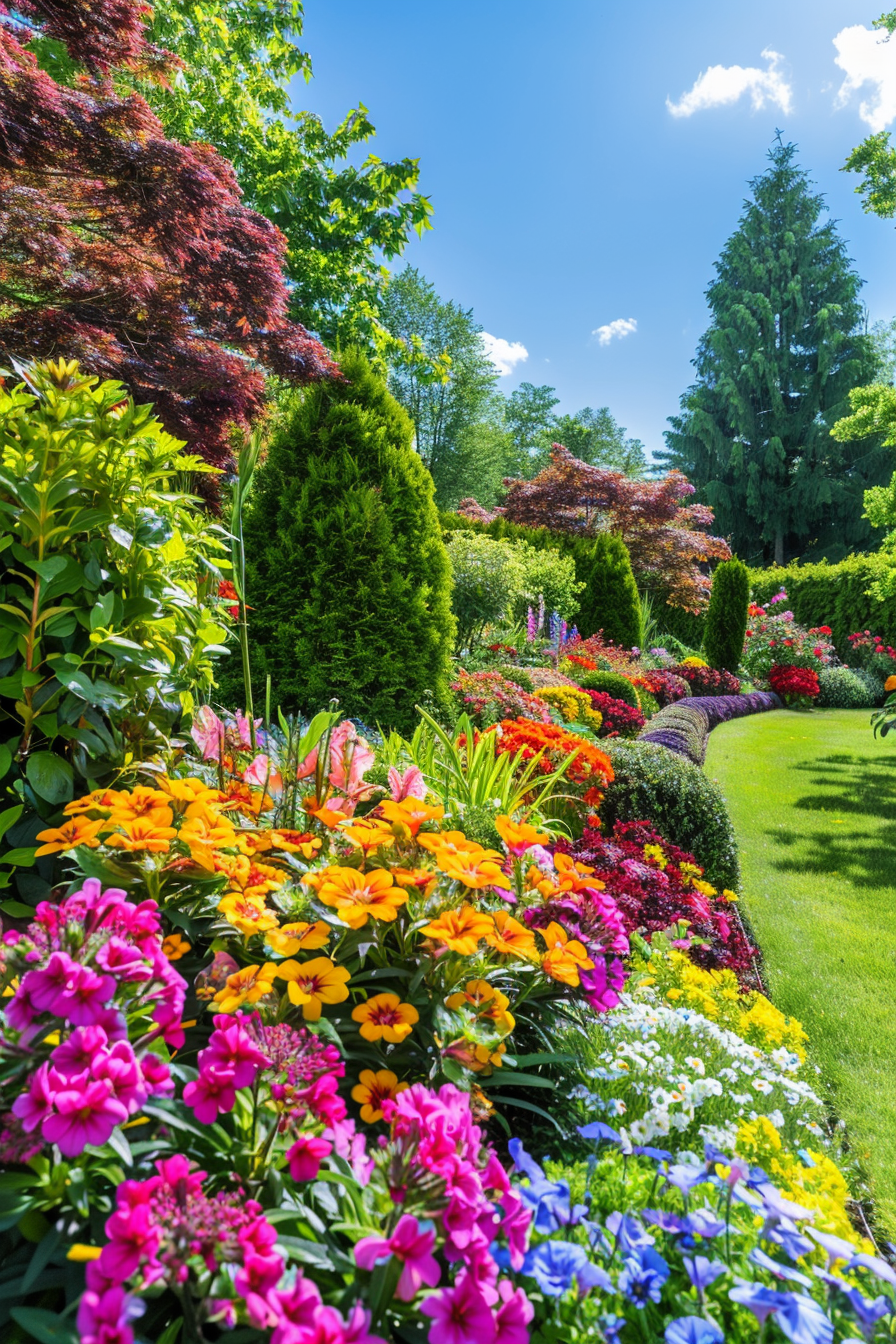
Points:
(643, 1276)
(693, 1330)
(803, 1321)
(555, 1264)
(703, 1223)
(665, 1221)
(836, 1247)
(548, 1200)
(758, 1298)
(871, 1262)
(630, 1235)
(867, 1312)
(685, 1175)
(703, 1272)
(779, 1271)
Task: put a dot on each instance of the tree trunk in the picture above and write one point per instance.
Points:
(779, 547)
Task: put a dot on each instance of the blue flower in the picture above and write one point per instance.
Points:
(555, 1264)
(758, 1298)
(685, 1175)
(876, 1266)
(643, 1276)
(607, 1134)
(598, 1130)
(628, 1232)
(612, 1327)
(703, 1272)
(867, 1312)
(693, 1330)
(803, 1321)
(703, 1223)
(780, 1271)
(549, 1200)
(785, 1233)
(665, 1221)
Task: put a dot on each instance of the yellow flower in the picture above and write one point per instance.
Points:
(449, 842)
(292, 938)
(654, 854)
(414, 877)
(694, 661)
(247, 912)
(518, 836)
(473, 870)
(151, 806)
(205, 827)
(384, 1017)
(565, 956)
(81, 1254)
(411, 812)
(245, 874)
(189, 790)
(460, 930)
(368, 835)
(78, 831)
(314, 983)
(101, 800)
(174, 947)
(142, 835)
(296, 842)
(373, 1089)
(246, 986)
(356, 896)
(487, 1002)
(512, 938)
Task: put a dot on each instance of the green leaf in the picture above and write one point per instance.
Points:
(50, 777)
(41, 1258)
(22, 857)
(170, 1333)
(16, 910)
(10, 816)
(45, 1326)
(121, 535)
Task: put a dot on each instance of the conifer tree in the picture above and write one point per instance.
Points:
(610, 601)
(726, 617)
(773, 372)
(347, 575)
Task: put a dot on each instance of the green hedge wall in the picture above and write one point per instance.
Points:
(834, 595)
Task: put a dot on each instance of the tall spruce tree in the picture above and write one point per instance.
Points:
(784, 347)
(347, 574)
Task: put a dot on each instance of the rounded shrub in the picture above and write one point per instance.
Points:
(726, 618)
(610, 601)
(518, 675)
(873, 682)
(611, 683)
(348, 577)
(680, 802)
(682, 727)
(842, 688)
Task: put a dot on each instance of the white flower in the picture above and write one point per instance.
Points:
(696, 1064)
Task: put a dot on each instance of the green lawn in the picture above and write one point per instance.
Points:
(813, 800)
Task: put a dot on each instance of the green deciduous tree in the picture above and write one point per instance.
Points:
(347, 574)
(726, 617)
(530, 417)
(596, 438)
(773, 371)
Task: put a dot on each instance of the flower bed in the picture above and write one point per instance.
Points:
(685, 727)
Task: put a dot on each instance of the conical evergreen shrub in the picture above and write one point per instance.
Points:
(347, 575)
(726, 618)
(610, 601)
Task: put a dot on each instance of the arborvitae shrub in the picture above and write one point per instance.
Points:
(611, 683)
(348, 578)
(610, 601)
(834, 595)
(726, 619)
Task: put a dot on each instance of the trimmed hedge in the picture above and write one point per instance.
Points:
(843, 688)
(726, 617)
(834, 595)
(678, 799)
(611, 683)
(683, 728)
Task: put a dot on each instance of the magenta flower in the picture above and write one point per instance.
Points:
(513, 1316)
(409, 1245)
(123, 960)
(306, 1155)
(133, 1238)
(254, 1281)
(45, 988)
(120, 1069)
(295, 1309)
(460, 1315)
(232, 1047)
(80, 1050)
(86, 1112)
(212, 1094)
(34, 1106)
(86, 997)
(104, 1318)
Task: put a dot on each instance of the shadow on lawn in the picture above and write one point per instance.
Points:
(850, 790)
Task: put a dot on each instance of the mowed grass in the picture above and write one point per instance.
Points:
(813, 800)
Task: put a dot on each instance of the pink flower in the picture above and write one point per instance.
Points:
(231, 1045)
(208, 733)
(133, 1237)
(308, 766)
(260, 772)
(122, 1072)
(295, 1310)
(350, 758)
(460, 1315)
(34, 1106)
(353, 1147)
(306, 1155)
(87, 1112)
(513, 1316)
(123, 960)
(254, 1281)
(213, 1093)
(45, 988)
(409, 1245)
(157, 1075)
(104, 1318)
(408, 785)
(79, 1051)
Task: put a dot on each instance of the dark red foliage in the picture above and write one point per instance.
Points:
(707, 680)
(665, 687)
(126, 250)
(652, 898)
(619, 719)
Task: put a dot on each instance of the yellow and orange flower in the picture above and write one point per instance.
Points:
(296, 842)
(411, 812)
(310, 984)
(477, 1058)
(253, 843)
(473, 870)
(247, 912)
(573, 876)
(101, 800)
(368, 835)
(358, 896)
(460, 930)
(890, 684)
(142, 835)
(518, 836)
(244, 875)
(327, 816)
(486, 1002)
(511, 938)
(151, 806)
(174, 947)
(204, 827)
(71, 834)
(415, 877)
(384, 1017)
(186, 791)
(565, 956)
(246, 986)
(301, 937)
(373, 1089)
(449, 842)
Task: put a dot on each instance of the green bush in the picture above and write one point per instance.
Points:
(610, 602)
(726, 617)
(518, 675)
(842, 688)
(873, 683)
(649, 703)
(685, 806)
(548, 574)
(834, 595)
(487, 583)
(347, 572)
(684, 627)
(108, 590)
(613, 683)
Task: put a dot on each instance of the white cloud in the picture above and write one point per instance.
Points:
(722, 84)
(867, 57)
(505, 355)
(622, 326)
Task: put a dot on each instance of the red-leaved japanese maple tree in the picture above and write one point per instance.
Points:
(122, 248)
(667, 538)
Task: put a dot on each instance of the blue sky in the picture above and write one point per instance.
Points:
(568, 196)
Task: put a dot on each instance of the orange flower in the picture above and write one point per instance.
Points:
(572, 876)
(385, 1018)
(247, 912)
(355, 896)
(246, 986)
(174, 947)
(565, 956)
(512, 938)
(373, 1089)
(487, 1002)
(292, 938)
(296, 842)
(473, 870)
(143, 835)
(411, 812)
(460, 930)
(313, 983)
(890, 684)
(253, 843)
(244, 874)
(476, 1057)
(101, 800)
(518, 836)
(414, 877)
(204, 827)
(148, 805)
(238, 797)
(327, 816)
(190, 790)
(449, 842)
(78, 831)
(368, 835)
